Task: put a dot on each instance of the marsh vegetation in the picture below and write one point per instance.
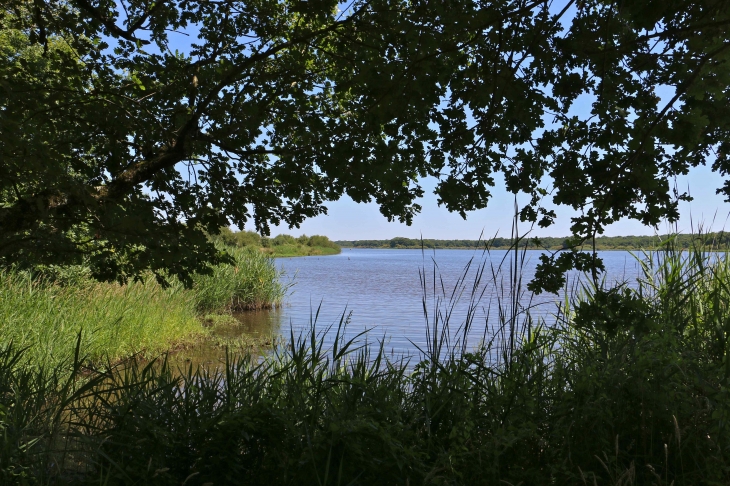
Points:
(47, 312)
(627, 387)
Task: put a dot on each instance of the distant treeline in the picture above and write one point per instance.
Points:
(281, 245)
(720, 239)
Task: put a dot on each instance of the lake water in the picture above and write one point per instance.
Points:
(383, 291)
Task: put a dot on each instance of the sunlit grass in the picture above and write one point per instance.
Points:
(114, 321)
(118, 321)
(297, 250)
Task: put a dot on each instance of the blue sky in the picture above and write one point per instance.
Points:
(347, 220)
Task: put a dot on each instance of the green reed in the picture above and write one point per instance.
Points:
(251, 282)
(645, 369)
(628, 388)
(46, 313)
(114, 321)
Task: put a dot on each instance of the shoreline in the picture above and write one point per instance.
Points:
(511, 249)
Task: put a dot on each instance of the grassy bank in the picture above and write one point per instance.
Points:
(46, 315)
(630, 387)
(298, 250)
(113, 320)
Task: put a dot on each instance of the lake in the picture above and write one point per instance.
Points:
(383, 291)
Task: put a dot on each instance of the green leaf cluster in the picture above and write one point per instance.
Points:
(120, 150)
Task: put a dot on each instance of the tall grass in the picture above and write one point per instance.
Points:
(252, 282)
(114, 321)
(46, 314)
(645, 372)
(628, 388)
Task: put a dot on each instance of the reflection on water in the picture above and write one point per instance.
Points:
(247, 332)
(257, 323)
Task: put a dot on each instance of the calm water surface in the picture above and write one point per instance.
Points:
(383, 291)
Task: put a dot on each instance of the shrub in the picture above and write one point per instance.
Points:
(283, 239)
(248, 238)
(226, 236)
(318, 240)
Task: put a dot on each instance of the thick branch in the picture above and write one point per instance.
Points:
(110, 25)
(143, 171)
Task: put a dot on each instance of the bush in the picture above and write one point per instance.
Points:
(282, 245)
(318, 240)
(238, 239)
(248, 238)
(226, 236)
(283, 239)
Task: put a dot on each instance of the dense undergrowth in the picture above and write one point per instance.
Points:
(629, 387)
(46, 312)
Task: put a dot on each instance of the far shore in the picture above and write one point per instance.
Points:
(712, 241)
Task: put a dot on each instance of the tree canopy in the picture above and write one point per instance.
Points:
(118, 149)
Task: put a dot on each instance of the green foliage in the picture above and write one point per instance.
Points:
(321, 241)
(32, 419)
(647, 372)
(283, 239)
(282, 245)
(248, 238)
(239, 238)
(226, 236)
(47, 312)
(615, 310)
(121, 152)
